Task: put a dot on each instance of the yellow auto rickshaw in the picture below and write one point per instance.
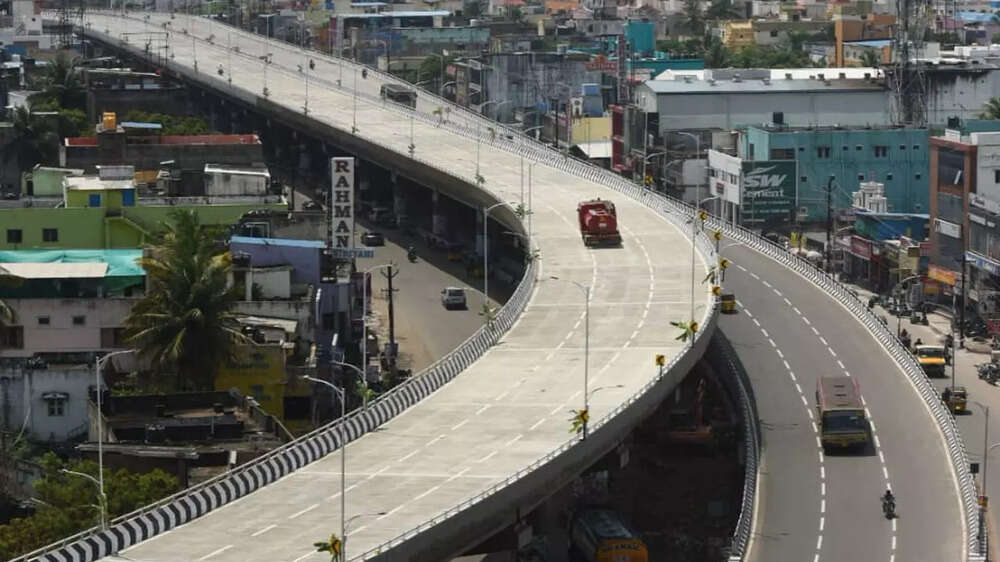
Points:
(728, 303)
(956, 398)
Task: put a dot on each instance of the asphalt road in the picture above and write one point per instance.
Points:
(826, 507)
(425, 330)
(511, 406)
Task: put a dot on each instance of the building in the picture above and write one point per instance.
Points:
(45, 401)
(183, 156)
(122, 90)
(68, 301)
(767, 32)
(728, 99)
(109, 211)
(895, 157)
(965, 197)
(854, 28)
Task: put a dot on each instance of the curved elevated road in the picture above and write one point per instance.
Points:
(826, 507)
(511, 407)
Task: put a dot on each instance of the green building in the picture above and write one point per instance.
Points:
(894, 156)
(94, 213)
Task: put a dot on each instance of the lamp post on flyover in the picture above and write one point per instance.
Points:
(586, 348)
(101, 498)
(347, 528)
(441, 75)
(343, 450)
(694, 235)
(986, 454)
(98, 368)
(646, 161)
(486, 261)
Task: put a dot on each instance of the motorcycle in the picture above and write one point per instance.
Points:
(411, 255)
(889, 507)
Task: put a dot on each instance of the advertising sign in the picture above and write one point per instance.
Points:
(768, 191)
(340, 236)
(941, 274)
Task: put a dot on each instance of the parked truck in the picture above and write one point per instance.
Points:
(602, 535)
(598, 222)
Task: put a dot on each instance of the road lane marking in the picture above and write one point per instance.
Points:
(457, 475)
(262, 531)
(304, 511)
(537, 423)
(410, 454)
(304, 556)
(459, 424)
(514, 440)
(840, 363)
(421, 496)
(763, 331)
(483, 409)
(487, 457)
(823, 341)
(433, 441)
(390, 512)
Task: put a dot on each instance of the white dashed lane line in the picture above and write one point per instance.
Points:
(874, 431)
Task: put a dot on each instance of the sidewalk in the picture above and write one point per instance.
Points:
(939, 325)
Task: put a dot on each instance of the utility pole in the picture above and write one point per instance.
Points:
(829, 220)
(961, 313)
(389, 274)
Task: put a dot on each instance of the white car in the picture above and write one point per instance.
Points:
(453, 297)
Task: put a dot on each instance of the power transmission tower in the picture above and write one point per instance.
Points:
(906, 75)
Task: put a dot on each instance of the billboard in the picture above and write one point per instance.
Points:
(768, 191)
(340, 235)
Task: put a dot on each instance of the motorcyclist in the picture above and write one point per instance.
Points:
(411, 253)
(889, 503)
(364, 73)
(918, 342)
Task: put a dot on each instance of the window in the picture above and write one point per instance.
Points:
(881, 151)
(43, 320)
(861, 177)
(79, 320)
(57, 406)
(751, 151)
(916, 176)
(94, 200)
(822, 152)
(859, 147)
(803, 179)
(802, 149)
(774, 33)
(128, 198)
(996, 176)
(14, 236)
(112, 337)
(902, 147)
(50, 235)
(782, 154)
(916, 147)
(888, 177)
(12, 337)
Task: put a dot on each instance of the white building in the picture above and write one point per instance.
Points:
(224, 181)
(753, 97)
(47, 404)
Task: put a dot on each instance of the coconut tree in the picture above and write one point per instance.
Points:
(870, 59)
(61, 84)
(185, 321)
(991, 109)
(33, 141)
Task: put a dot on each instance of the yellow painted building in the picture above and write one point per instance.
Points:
(738, 34)
(260, 372)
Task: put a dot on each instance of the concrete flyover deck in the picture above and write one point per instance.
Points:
(511, 407)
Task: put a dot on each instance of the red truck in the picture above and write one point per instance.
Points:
(598, 222)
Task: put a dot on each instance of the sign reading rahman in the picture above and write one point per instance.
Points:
(341, 236)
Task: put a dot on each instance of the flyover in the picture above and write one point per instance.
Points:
(467, 458)
(804, 510)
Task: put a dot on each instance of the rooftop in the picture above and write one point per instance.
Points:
(178, 139)
(288, 242)
(56, 270)
(239, 170)
(773, 128)
(399, 14)
(748, 86)
(112, 263)
(94, 183)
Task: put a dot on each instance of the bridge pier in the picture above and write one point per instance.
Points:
(439, 221)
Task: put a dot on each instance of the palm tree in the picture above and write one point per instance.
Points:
(32, 143)
(694, 19)
(61, 84)
(991, 110)
(870, 59)
(185, 322)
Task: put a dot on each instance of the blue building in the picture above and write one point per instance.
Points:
(896, 157)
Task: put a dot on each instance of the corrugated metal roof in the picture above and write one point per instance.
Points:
(57, 270)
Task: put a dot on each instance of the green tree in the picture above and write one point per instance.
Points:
(991, 110)
(722, 10)
(33, 141)
(185, 321)
(693, 18)
(61, 84)
(871, 59)
(172, 124)
(67, 503)
(716, 54)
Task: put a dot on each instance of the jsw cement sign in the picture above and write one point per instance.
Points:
(768, 191)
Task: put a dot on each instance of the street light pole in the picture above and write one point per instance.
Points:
(101, 498)
(98, 367)
(694, 236)
(486, 261)
(697, 150)
(343, 454)
(366, 274)
(586, 348)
